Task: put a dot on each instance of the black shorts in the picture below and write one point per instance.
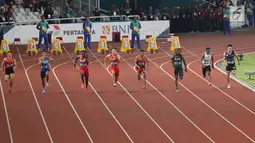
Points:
(206, 69)
(230, 67)
(43, 73)
(178, 72)
(9, 71)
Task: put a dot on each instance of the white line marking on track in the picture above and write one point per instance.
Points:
(172, 104)
(161, 67)
(219, 89)
(219, 69)
(6, 112)
(136, 102)
(71, 104)
(105, 105)
(33, 92)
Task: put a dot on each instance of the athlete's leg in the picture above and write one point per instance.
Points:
(113, 77)
(87, 79)
(11, 82)
(47, 75)
(43, 75)
(116, 76)
(6, 77)
(144, 78)
(204, 71)
(176, 73)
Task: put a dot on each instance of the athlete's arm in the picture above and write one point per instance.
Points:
(224, 58)
(236, 55)
(147, 63)
(202, 58)
(15, 64)
(2, 65)
(107, 56)
(184, 62)
(76, 61)
(118, 57)
(52, 61)
(40, 60)
(212, 61)
(172, 59)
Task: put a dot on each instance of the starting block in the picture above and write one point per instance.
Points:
(175, 43)
(152, 45)
(80, 37)
(56, 47)
(169, 37)
(16, 40)
(125, 46)
(79, 46)
(31, 48)
(4, 47)
(147, 37)
(60, 39)
(102, 46)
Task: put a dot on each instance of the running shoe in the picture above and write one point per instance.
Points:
(86, 89)
(144, 87)
(47, 84)
(114, 85)
(177, 90)
(209, 84)
(43, 91)
(10, 91)
(82, 85)
(229, 86)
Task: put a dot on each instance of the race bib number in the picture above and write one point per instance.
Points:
(141, 63)
(152, 44)
(206, 62)
(102, 45)
(4, 46)
(32, 46)
(113, 63)
(83, 64)
(9, 65)
(230, 62)
(125, 44)
(79, 46)
(56, 45)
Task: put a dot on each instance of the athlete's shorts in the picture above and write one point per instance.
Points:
(85, 71)
(206, 69)
(43, 72)
(230, 67)
(115, 70)
(140, 70)
(178, 72)
(9, 71)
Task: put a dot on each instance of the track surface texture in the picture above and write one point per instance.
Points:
(127, 113)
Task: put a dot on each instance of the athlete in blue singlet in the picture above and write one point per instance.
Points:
(45, 69)
(229, 58)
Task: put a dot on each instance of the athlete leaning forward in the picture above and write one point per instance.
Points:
(141, 66)
(9, 65)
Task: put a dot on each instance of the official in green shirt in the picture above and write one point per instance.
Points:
(42, 26)
(135, 26)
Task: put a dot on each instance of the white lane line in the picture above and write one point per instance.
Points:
(35, 98)
(6, 112)
(105, 105)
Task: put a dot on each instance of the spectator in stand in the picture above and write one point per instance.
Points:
(127, 9)
(9, 15)
(2, 16)
(250, 13)
(218, 19)
(68, 13)
(48, 12)
(226, 20)
(97, 13)
(165, 14)
(201, 19)
(143, 17)
(113, 12)
(157, 15)
(195, 20)
(150, 15)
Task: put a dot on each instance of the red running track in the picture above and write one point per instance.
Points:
(128, 113)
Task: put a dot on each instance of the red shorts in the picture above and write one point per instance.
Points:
(140, 70)
(85, 71)
(115, 70)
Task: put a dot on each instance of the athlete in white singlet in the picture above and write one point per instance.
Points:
(207, 62)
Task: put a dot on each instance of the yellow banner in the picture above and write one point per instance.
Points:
(152, 44)
(56, 46)
(125, 45)
(102, 45)
(79, 45)
(31, 46)
(175, 43)
(4, 46)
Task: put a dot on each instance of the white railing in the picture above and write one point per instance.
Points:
(74, 20)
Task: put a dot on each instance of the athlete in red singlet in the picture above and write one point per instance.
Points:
(8, 66)
(114, 68)
(84, 71)
(141, 65)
